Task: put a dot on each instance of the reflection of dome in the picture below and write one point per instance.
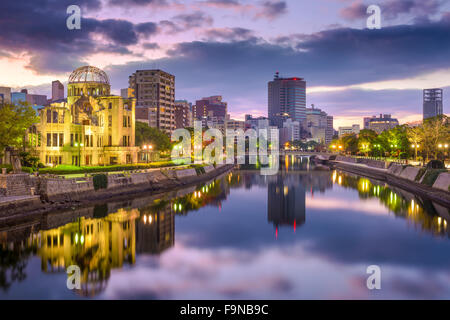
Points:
(88, 74)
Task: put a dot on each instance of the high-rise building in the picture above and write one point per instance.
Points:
(432, 103)
(382, 123)
(154, 91)
(287, 99)
(183, 114)
(212, 107)
(319, 125)
(39, 100)
(256, 122)
(57, 90)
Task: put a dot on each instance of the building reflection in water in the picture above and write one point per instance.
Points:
(286, 202)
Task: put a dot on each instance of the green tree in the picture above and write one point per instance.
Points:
(415, 136)
(15, 119)
(435, 131)
(350, 143)
(152, 136)
(366, 140)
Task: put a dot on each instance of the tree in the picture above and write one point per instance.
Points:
(15, 119)
(350, 143)
(153, 136)
(415, 136)
(435, 130)
(366, 140)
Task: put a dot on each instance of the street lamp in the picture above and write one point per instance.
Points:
(415, 147)
(79, 145)
(445, 146)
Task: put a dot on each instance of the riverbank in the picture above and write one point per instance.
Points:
(56, 193)
(403, 177)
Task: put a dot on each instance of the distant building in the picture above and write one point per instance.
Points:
(232, 124)
(5, 95)
(290, 131)
(319, 125)
(210, 107)
(432, 103)
(18, 97)
(256, 123)
(183, 114)
(154, 91)
(354, 129)
(36, 99)
(127, 93)
(381, 123)
(287, 99)
(57, 90)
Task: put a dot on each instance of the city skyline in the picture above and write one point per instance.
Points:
(232, 48)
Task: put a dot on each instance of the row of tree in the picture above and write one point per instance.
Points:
(428, 140)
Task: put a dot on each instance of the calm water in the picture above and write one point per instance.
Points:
(305, 233)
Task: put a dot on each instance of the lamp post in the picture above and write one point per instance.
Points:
(445, 147)
(415, 147)
(147, 149)
(79, 145)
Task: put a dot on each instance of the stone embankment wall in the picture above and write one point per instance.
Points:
(58, 188)
(411, 173)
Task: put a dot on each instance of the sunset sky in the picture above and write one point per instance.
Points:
(233, 48)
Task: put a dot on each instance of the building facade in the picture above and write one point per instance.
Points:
(212, 107)
(432, 103)
(154, 91)
(319, 125)
(57, 90)
(286, 99)
(183, 114)
(354, 129)
(5, 95)
(92, 127)
(381, 123)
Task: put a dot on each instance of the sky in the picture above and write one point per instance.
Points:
(233, 48)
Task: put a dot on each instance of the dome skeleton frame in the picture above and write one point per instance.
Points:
(89, 74)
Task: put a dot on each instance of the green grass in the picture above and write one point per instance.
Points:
(74, 170)
(431, 176)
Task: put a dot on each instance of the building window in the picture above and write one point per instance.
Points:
(129, 122)
(124, 121)
(55, 117)
(71, 139)
(110, 141)
(49, 139)
(49, 116)
(61, 139)
(55, 140)
(110, 121)
(110, 105)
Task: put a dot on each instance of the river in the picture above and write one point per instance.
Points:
(306, 233)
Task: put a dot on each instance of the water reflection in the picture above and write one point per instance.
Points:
(113, 236)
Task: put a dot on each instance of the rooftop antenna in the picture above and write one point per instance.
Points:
(277, 75)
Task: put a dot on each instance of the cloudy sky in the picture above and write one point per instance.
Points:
(233, 47)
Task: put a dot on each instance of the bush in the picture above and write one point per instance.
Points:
(435, 164)
(100, 181)
(431, 176)
(7, 166)
(64, 169)
(420, 174)
(27, 170)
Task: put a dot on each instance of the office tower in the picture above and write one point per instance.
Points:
(319, 125)
(154, 91)
(212, 107)
(287, 99)
(183, 114)
(57, 90)
(382, 123)
(36, 99)
(256, 122)
(432, 103)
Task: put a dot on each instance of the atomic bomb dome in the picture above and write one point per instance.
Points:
(89, 74)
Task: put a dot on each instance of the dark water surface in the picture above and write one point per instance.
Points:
(304, 233)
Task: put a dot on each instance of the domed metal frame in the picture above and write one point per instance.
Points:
(89, 74)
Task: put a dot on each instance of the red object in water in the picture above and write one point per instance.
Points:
(295, 225)
(276, 233)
